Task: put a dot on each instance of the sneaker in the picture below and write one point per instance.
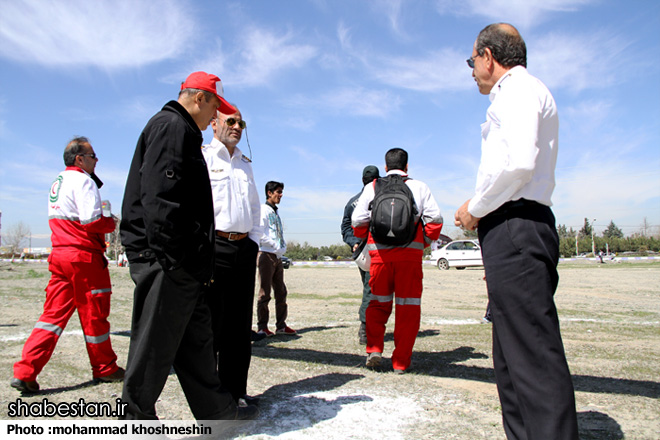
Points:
(374, 359)
(362, 334)
(24, 386)
(265, 331)
(286, 331)
(117, 376)
(485, 320)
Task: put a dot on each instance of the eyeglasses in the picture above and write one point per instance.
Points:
(231, 121)
(470, 61)
(92, 155)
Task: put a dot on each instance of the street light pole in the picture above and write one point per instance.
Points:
(593, 243)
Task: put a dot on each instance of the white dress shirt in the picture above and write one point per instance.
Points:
(235, 196)
(518, 144)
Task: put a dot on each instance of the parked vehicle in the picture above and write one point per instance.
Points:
(459, 254)
(286, 262)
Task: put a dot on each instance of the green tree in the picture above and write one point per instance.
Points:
(586, 229)
(612, 231)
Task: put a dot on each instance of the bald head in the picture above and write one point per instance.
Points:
(505, 43)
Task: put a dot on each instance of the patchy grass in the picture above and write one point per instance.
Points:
(315, 384)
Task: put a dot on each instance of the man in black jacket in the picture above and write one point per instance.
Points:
(168, 230)
(369, 173)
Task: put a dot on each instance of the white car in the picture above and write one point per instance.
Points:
(459, 254)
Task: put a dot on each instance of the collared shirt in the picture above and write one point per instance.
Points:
(273, 238)
(518, 144)
(235, 196)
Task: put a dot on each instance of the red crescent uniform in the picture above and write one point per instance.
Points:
(79, 277)
(396, 271)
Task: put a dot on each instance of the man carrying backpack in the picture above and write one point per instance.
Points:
(399, 217)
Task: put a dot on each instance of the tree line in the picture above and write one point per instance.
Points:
(611, 239)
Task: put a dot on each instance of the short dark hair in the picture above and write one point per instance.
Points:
(505, 43)
(396, 159)
(273, 186)
(74, 148)
(191, 92)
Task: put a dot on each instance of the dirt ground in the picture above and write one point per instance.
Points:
(315, 385)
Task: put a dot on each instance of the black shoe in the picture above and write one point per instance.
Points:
(117, 376)
(249, 412)
(362, 333)
(250, 400)
(24, 386)
(254, 336)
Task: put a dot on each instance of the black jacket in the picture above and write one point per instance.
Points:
(168, 205)
(346, 228)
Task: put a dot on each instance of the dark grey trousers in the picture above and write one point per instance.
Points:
(520, 251)
(171, 327)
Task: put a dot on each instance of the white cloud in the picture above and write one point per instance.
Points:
(392, 10)
(264, 54)
(356, 101)
(520, 13)
(440, 70)
(578, 62)
(108, 34)
(435, 71)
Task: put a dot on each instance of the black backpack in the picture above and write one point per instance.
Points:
(393, 212)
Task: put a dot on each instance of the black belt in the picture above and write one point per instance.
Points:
(232, 236)
(515, 205)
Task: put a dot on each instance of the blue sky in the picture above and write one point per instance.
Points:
(327, 87)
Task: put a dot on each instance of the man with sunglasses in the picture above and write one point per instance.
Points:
(237, 232)
(520, 247)
(79, 272)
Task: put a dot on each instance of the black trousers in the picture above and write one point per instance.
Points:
(171, 327)
(520, 249)
(231, 299)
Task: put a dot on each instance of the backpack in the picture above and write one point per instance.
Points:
(393, 212)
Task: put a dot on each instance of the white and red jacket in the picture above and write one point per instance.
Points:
(74, 212)
(428, 230)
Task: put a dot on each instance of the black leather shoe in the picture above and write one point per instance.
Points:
(249, 412)
(255, 337)
(24, 386)
(250, 400)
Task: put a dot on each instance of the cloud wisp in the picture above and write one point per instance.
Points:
(103, 34)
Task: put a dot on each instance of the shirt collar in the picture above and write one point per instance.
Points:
(222, 149)
(399, 172)
(516, 70)
(75, 168)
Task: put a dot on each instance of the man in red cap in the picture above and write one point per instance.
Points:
(168, 230)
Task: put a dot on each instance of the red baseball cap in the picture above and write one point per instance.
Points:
(210, 83)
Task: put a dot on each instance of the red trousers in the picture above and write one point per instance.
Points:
(400, 282)
(79, 280)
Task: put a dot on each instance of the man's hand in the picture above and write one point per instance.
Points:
(463, 218)
(355, 246)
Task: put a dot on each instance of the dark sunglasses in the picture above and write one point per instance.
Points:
(92, 155)
(231, 121)
(470, 61)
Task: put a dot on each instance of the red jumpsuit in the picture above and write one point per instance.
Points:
(79, 277)
(396, 274)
